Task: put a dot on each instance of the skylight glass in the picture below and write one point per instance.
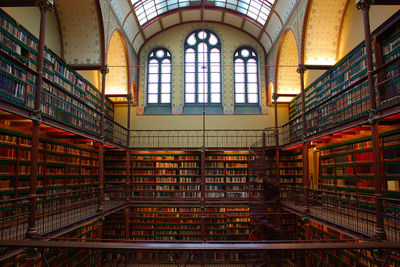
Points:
(257, 10)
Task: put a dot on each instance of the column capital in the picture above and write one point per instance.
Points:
(104, 70)
(301, 69)
(45, 5)
(129, 97)
(364, 5)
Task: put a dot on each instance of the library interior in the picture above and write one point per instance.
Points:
(228, 133)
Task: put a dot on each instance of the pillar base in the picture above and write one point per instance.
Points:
(380, 234)
(31, 233)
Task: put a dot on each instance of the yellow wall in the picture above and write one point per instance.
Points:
(353, 31)
(231, 39)
(31, 22)
(93, 76)
(174, 122)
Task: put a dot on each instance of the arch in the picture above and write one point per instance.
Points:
(322, 30)
(287, 79)
(117, 80)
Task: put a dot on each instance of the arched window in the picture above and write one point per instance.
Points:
(202, 68)
(246, 76)
(159, 77)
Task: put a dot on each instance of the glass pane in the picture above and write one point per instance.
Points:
(202, 48)
(191, 40)
(189, 77)
(153, 66)
(239, 98)
(252, 88)
(189, 55)
(215, 98)
(251, 66)
(160, 53)
(213, 40)
(190, 67)
(189, 98)
(239, 66)
(215, 77)
(202, 77)
(215, 67)
(166, 66)
(153, 98)
(166, 78)
(189, 88)
(215, 88)
(239, 78)
(252, 77)
(153, 88)
(202, 35)
(202, 98)
(153, 78)
(165, 98)
(253, 99)
(165, 88)
(202, 88)
(239, 88)
(245, 53)
(215, 55)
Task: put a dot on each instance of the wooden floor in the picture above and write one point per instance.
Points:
(365, 224)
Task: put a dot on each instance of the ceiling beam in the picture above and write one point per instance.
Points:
(386, 2)
(19, 3)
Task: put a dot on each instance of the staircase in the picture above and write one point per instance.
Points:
(267, 202)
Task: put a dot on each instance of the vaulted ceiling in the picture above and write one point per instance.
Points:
(263, 24)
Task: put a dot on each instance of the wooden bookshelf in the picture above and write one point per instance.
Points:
(63, 167)
(341, 94)
(67, 96)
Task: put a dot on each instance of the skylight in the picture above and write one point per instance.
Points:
(258, 10)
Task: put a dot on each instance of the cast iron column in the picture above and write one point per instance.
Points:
(129, 181)
(277, 174)
(301, 70)
(104, 70)
(44, 6)
(380, 233)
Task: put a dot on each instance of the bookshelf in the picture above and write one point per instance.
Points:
(169, 175)
(340, 94)
(63, 167)
(227, 176)
(67, 96)
(290, 167)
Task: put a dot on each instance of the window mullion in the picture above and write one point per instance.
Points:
(245, 61)
(159, 81)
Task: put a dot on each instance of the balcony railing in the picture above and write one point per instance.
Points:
(355, 212)
(194, 138)
(53, 211)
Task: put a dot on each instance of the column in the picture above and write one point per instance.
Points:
(44, 6)
(301, 70)
(277, 174)
(104, 70)
(129, 181)
(380, 234)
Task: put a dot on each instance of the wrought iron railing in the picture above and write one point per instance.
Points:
(194, 138)
(53, 211)
(352, 211)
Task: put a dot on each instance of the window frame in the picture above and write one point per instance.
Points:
(245, 65)
(167, 55)
(195, 47)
